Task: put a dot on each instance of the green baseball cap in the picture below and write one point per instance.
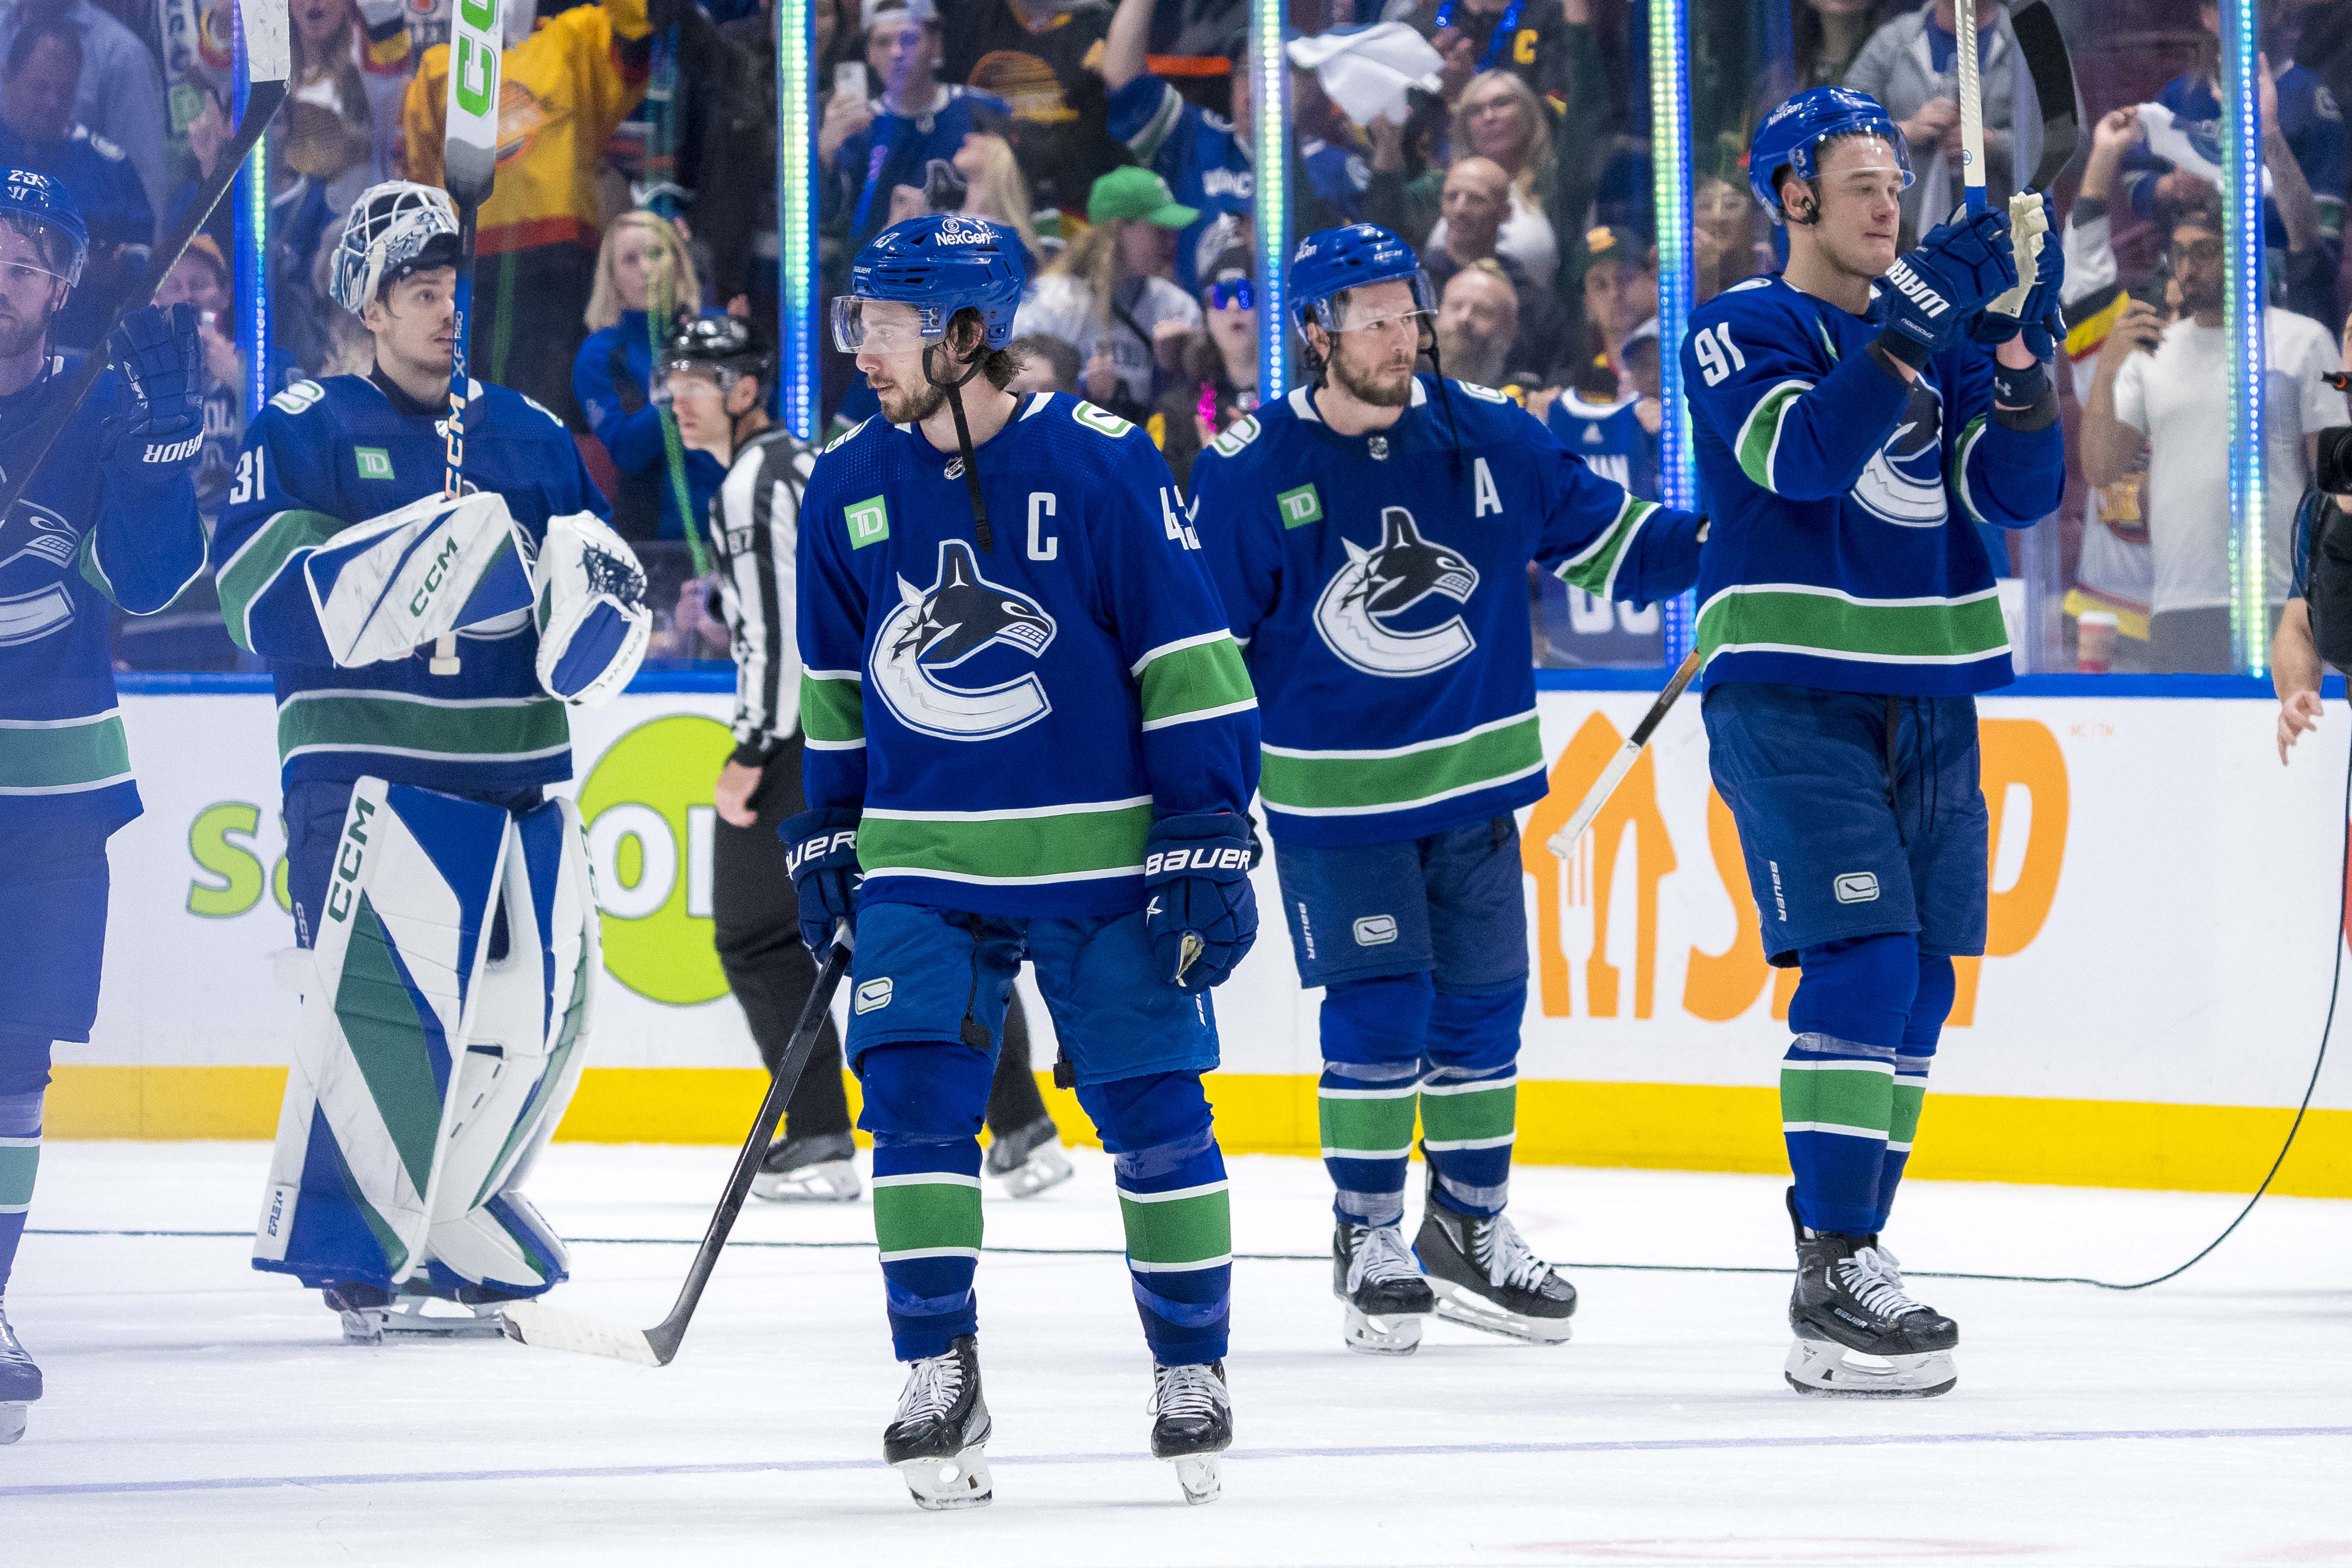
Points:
(1136, 192)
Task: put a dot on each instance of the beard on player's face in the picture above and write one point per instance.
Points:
(1382, 379)
(905, 405)
(21, 334)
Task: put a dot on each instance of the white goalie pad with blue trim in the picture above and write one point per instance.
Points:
(447, 1003)
(391, 584)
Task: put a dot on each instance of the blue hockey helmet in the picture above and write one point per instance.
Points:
(939, 263)
(30, 201)
(1792, 133)
(1330, 261)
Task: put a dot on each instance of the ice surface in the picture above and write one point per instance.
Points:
(201, 1410)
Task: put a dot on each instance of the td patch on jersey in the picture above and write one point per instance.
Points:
(961, 617)
(1903, 483)
(1367, 611)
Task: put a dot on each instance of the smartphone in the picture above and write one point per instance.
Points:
(849, 79)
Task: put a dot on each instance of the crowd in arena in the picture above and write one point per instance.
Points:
(1508, 140)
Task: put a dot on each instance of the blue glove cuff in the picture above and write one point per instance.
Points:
(1210, 844)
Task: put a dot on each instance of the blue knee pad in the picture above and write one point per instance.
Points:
(1384, 1019)
(1475, 1032)
(1172, 1196)
(24, 1063)
(1859, 988)
(924, 1104)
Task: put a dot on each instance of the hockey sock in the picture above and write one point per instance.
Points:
(1912, 1061)
(1469, 1101)
(24, 1086)
(1837, 1081)
(923, 1105)
(1172, 1198)
(1373, 1035)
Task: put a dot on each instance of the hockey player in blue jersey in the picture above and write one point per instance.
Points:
(1029, 735)
(442, 906)
(1371, 536)
(110, 518)
(1855, 419)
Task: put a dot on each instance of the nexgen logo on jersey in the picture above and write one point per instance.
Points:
(961, 616)
(1385, 582)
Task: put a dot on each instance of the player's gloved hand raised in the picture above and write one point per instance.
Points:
(820, 853)
(2030, 307)
(158, 435)
(1201, 914)
(1930, 293)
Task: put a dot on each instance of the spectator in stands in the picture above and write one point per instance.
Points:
(1726, 245)
(355, 69)
(1478, 326)
(1532, 39)
(1621, 292)
(1044, 57)
(1499, 121)
(200, 280)
(993, 189)
(1047, 364)
(2170, 391)
(1910, 65)
(1829, 35)
(1204, 158)
(643, 283)
(1478, 198)
(572, 82)
(1217, 381)
(38, 132)
(869, 145)
(118, 97)
(1109, 292)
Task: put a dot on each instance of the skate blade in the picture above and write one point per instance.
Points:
(1820, 1369)
(361, 1328)
(1459, 1304)
(12, 1421)
(832, 1181)
(959, 1481)
(1201, 1476)
(1049, 1166)
(1367, 1335)
(413, 1322)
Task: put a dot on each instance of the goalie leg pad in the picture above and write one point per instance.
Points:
(394, 584)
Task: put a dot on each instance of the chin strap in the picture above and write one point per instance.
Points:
(954, 390)
(1444, 392)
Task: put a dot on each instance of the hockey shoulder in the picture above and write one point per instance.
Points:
(1751, 352)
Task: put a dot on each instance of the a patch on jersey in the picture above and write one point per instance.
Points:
(1237, 435)
(1593, 436)
(1376, 585)
(1903, 483)
(961, 616)
(1101, 419)
(1376, 930)
(298, 397)
(868, 521)
(847, 434)
(1486, 392)
(374, 462)
(1856, 887)
(1299, 507)
(872, 996)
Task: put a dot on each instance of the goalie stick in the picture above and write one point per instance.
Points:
(1563, 842)
(469, 168)
(266, 57)
(552, 1328)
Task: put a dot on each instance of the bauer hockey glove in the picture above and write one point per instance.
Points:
(2041, 262)
(1201, 912)
(1930, 293)
(158, 435)
(820, 853)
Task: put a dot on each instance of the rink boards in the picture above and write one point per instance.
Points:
(2163, 918)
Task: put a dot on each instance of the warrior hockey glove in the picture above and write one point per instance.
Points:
(593, 621)
(1196, 872)
(158, 437)
(2030, 307)
(820, 853)
(1931, 293)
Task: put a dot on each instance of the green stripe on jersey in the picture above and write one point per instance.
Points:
(1962, 451)
(1073, 843)
(1759, 434)
(1357, 784)
(926, 1213)
(1366, 1123)
(1474, 1115)
(465, 730)
(833, 710)
(1594, 569)
(63, 757)
(1858, 1099)
(244, 574)
(20, 1160)
(1783, 617)
(1196, 679)
(1168, 1232)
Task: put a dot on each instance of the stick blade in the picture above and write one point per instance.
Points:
(2044, 49)
(543, 1327)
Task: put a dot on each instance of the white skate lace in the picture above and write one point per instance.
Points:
(933, 1385)
(1186, 1391)
(1382, 1256)
(1508, 1261)
(1876, 1282)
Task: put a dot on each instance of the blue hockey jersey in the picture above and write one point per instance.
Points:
(1378, 584)
(1012, 721)
(327, 454)
(80, 539)
(1204, 158)
(1611, 440)
(1833, 562)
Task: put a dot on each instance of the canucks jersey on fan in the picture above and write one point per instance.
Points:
(327, 454)
(1387, 624)
(1818, 577)
(1611, 439)
(1009, 719)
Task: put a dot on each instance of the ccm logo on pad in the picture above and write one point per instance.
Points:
(1168, 861)
(1376, 930)
(872, 996)
(1856, 887)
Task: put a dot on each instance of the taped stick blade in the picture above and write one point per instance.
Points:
(543, 1327)
(470, 138)
(268, 44)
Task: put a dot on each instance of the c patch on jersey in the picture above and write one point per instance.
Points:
(868, 521)
(1903, 483)
(1379, 586)
(961, 616)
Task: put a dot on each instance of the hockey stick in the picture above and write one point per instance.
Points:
(552, 1328)
(469, 168)
(1563, 842)
(2043, 48)
(1972, 164)
(266, 58)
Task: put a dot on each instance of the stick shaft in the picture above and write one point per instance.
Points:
(1972, 159)
(1563, 842)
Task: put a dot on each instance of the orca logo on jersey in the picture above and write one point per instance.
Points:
(1375, 584)
(961, 616)
(1903, 483)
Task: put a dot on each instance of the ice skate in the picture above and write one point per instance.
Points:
(1374, 1272)
(1859, 1333)
(20, 1382)
(1484, 1276)
(1028, 1160)
(938, 1440)
(816, 1169)
(1193, 1423)
(370, 1314)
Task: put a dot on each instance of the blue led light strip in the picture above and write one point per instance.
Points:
(2242, 195)
(796, 196)
(1670, 161)
(250, 215)
(1270, 145)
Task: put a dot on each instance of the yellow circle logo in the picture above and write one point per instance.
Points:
(650, 832)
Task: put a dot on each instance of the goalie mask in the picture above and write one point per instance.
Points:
(395, 229)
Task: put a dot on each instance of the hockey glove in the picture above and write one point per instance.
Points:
(593, 621)
(1929, 294)
(160, 432)
(820, 853)
(1202, 913)
(391, 584)
(2041, 262)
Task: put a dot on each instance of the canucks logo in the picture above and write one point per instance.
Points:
(1903, 483)
(1361, 604)
(33, 534)
(959, 618)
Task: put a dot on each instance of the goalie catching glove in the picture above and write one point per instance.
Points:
(388, 586)
(1201, 914)
(593, 621)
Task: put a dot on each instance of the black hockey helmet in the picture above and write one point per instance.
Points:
(726, 348)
